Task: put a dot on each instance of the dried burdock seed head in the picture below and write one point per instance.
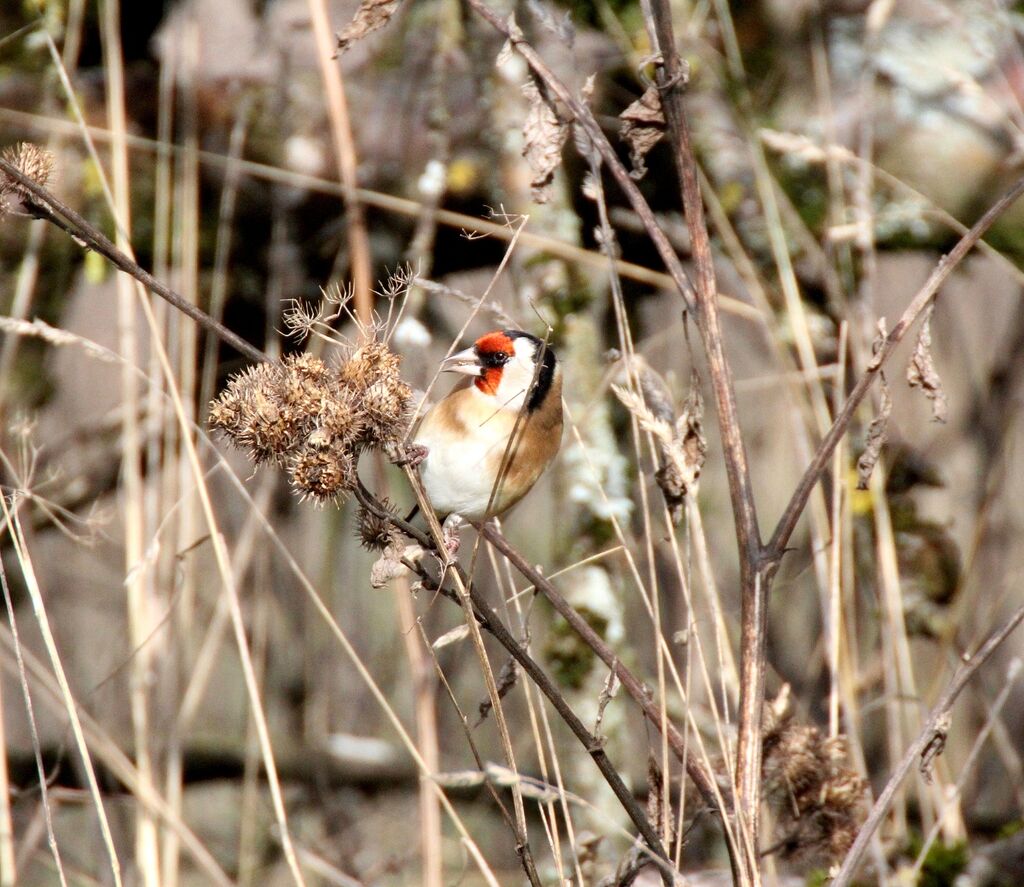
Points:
(816, 797)
(315, 420)
(341, 417)
(251, 412)
(32, 162)
(324, 474)
(369, 363)
(309, 367)
(386, 411)
(375, 533)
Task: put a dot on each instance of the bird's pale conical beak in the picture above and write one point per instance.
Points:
(466, 362)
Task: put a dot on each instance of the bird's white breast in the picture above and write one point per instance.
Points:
(466, 447)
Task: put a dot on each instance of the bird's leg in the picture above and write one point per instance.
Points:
(450, 534)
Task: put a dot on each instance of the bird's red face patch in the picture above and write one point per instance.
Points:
(495, 342)
(495, 350)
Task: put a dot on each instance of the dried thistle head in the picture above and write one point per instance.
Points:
(32, 162)
(375, 533)
(386, 411)
(252, 412)
(341, 419)
(815, 795)
(369, 363)
(309, 367)
(323, 474)
(314, 420)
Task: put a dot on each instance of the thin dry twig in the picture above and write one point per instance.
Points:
(940, 715)
(42, 204)
(925, 296)
(636, 688)
(671, 78)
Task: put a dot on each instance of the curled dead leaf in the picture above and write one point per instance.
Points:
(876, 437)
(544, 135)
(387, 566)
(935, 747)
(371, 16)
(921, 371)
(643, 125)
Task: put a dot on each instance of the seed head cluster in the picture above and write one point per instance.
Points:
(314, 420)
(815, 796)
(31, 161)
(374, 532)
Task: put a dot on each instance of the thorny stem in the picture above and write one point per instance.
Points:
(933, 735)
(42, 204)
(671, 79)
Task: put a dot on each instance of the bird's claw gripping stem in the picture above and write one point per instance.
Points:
(450, 535)
(412, 455)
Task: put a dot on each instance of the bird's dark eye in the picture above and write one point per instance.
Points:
(494, 358)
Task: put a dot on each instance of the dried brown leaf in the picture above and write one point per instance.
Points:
(371, 16)
(608, 691)
(690, 430)
(659, 808)
(387, 566)
(876, 437)
(935, 747)
(921, 371)
(643, 125)
(507, 678)
(544, 135)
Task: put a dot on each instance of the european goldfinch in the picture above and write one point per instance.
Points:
(489, 440)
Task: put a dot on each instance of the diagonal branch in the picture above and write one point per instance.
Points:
(489, 621)
(932, 736)
(42, 204)
(787, 523)
(641, 694)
